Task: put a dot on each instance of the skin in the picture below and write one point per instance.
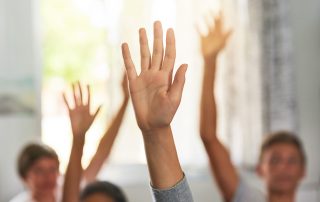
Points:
(155, 98)
(81, 120)
(98, 198)
(281, 179)
(42, 179)
(282, 169)
(106, 142)
(225, 173)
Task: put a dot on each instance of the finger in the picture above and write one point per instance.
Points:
(144, 50)
(197, 27)
(89, 95)
(228, 34)
(75, 98)
(220, 14)
(216, 16)
(131, 70)
(170, 77)
(200, 33)
(125, 84)
(157, 54)
(209, 23)
(218, 21)
(176, 89)
(170, 53)
(96, 113)
(80, 93)
(124, 80)
(66, 101)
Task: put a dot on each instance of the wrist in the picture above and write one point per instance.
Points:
(156, 135)
(210, 59)
(125, 100)
(163, 163)
(78, 140)
(209, 141)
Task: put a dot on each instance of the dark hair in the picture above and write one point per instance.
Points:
(103, 187)
(285, 137)
(30, 154)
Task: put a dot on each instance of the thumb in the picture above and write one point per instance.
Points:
(96, 113)
(176, 88)
(228, 34)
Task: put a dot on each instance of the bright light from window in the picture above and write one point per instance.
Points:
(120, 20)
(165, 11)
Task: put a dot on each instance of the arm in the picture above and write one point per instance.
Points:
(221, 165)
(155, 100)
(81, 120)
(108, 139)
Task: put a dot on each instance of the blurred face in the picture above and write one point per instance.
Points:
(42, 177)
(98, 197)
(282, 168)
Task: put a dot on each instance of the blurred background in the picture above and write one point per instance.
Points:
(268, 80)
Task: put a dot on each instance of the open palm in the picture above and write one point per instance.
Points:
(216, 39)
(80, 116)
(155, 97)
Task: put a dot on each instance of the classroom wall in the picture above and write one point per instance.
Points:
(305, 19)
(20, 75)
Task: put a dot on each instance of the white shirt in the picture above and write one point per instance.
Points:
(248, 193)
(26, 196)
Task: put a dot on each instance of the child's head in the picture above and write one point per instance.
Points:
(102, 191)
(282, 162)
(38, 166)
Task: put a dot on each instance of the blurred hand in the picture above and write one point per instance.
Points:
(154, 96)
(80, 117)
(215, 40)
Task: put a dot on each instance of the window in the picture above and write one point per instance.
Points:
(82, 42)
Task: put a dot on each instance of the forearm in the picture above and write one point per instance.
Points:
(222, 168)
(105, 145)
(162, 158)
(208, 112)
(219, 157)
(71, 188)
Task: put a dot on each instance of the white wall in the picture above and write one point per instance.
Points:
(18, 62)
(305, 18)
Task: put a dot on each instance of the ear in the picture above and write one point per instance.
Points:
(24, 180)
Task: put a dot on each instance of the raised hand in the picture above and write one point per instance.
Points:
(221, 165)
(155, 97)
(108, 138)
(215, 40)
(80, 116)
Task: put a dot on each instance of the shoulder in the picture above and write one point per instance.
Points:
(247, 192)
(22, 197)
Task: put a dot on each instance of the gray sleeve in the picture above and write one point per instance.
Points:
(179, 192)
(247, 193)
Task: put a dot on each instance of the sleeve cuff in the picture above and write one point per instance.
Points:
(179, 192)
